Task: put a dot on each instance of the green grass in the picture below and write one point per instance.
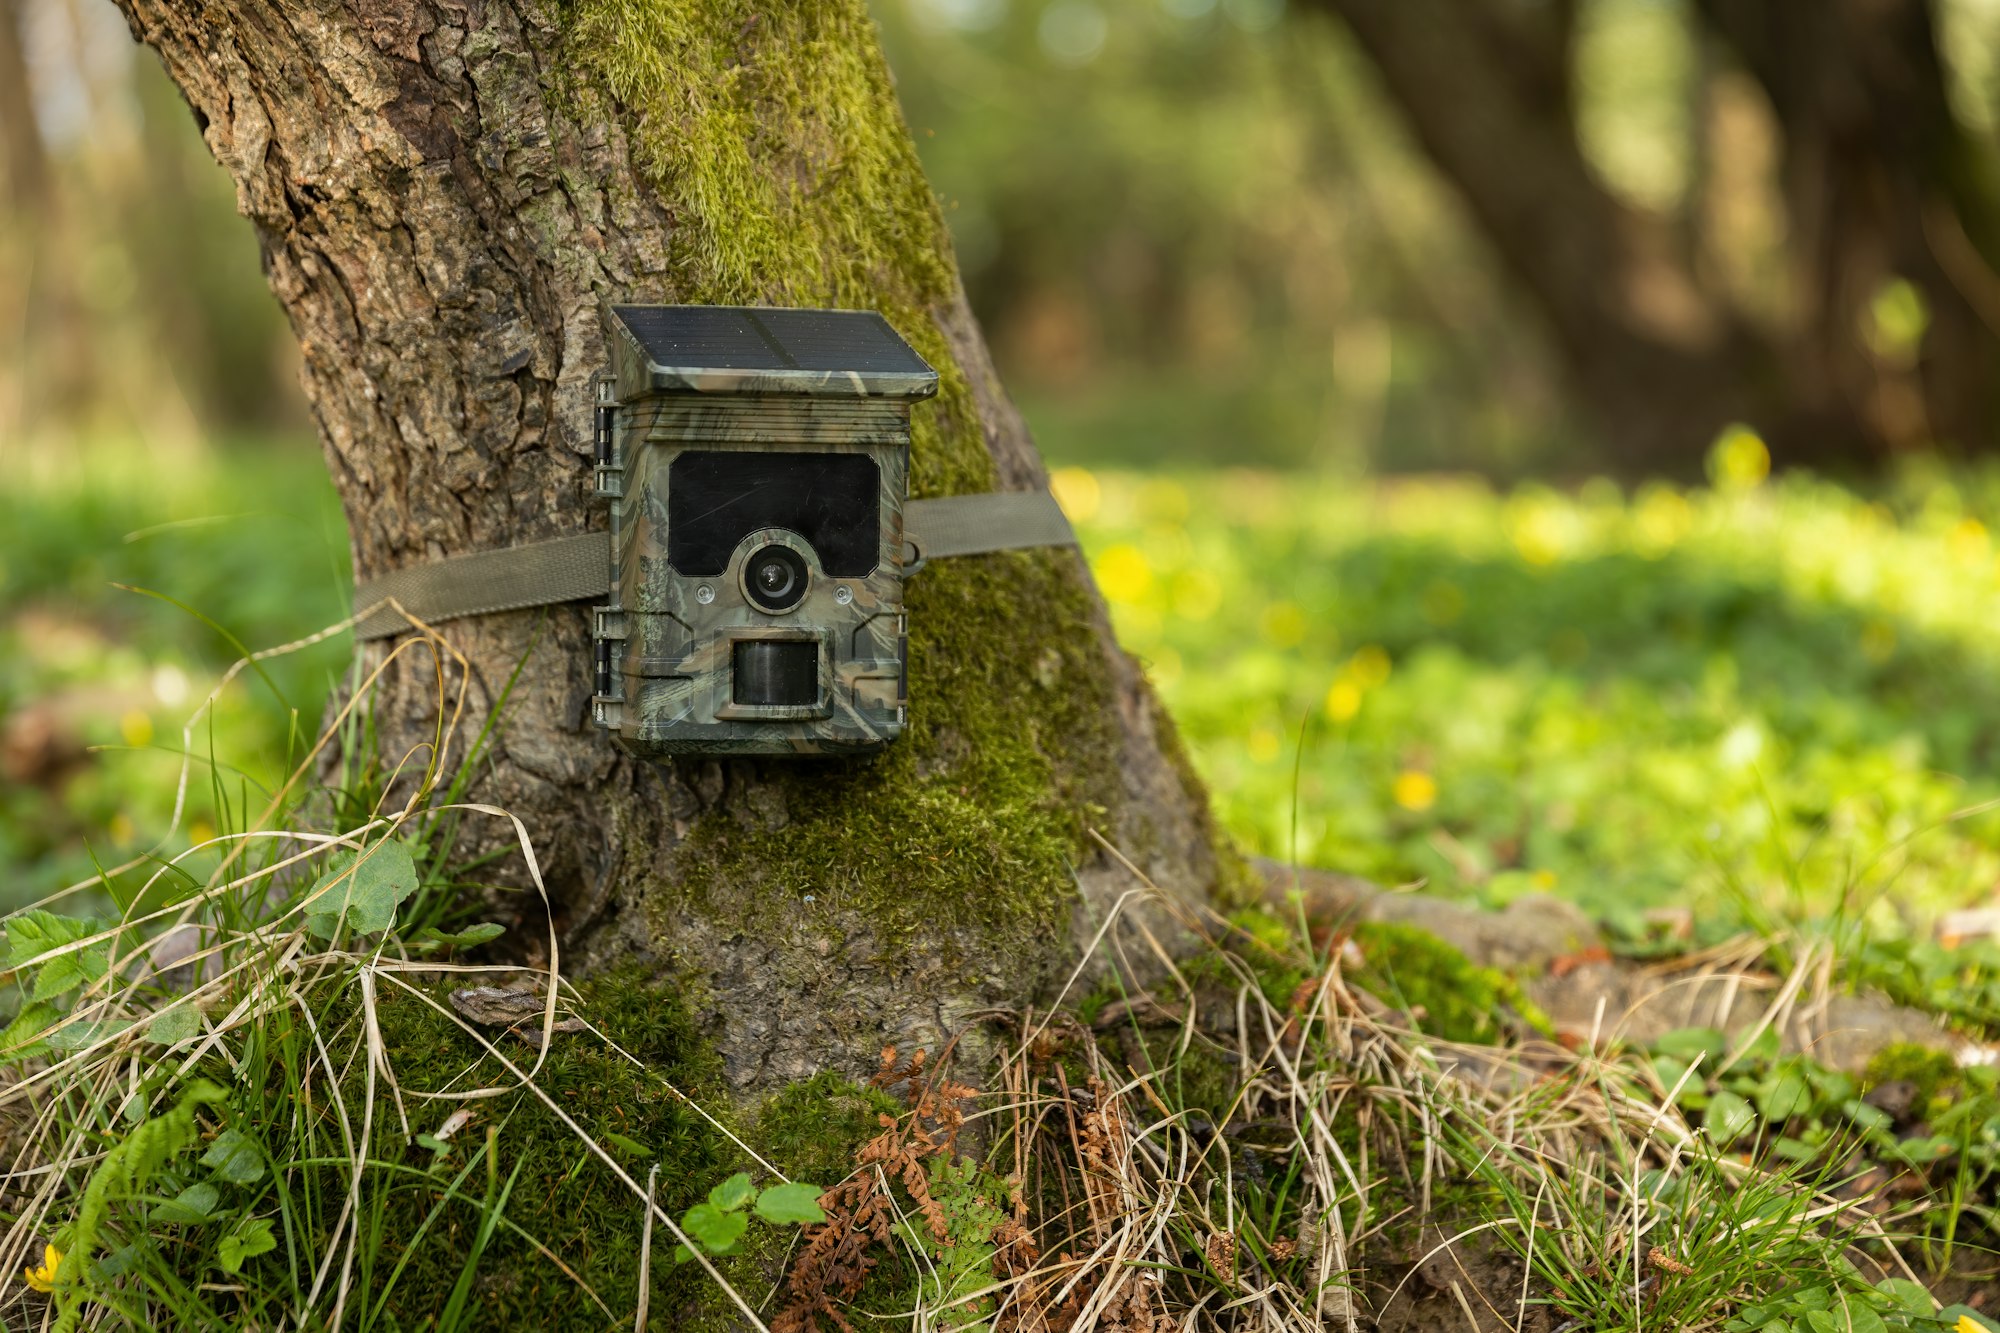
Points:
(1773, 692)
(1764, 699)
(1769, 695)
(96, 681)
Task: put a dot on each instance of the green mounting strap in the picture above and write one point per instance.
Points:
(574, 569)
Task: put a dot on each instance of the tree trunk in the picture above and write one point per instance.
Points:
(1485, 90)
(1880, 182)
(447, 192)
(24, 169)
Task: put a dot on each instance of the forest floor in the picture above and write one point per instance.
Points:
(1663, 994)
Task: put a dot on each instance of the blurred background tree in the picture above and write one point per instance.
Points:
(1511, 235)
(130, 296)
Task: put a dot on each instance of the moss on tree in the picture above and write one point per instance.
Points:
(775, 139)
(973, 821)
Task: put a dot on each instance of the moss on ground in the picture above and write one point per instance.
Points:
(566, 1209)
(810, 1130)
(1265, 944)
(1935, 1073)
(563, 1197)
(1454, 998)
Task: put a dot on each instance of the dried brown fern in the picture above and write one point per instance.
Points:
(840, 1253)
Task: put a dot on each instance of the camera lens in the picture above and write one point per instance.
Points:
(775, 578)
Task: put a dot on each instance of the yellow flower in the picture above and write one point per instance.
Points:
(1970, 542)
(1414, 790)
(1369, 666)
(136, 728)
(1284, 624)
(1739, 459)
(1343, 700)
(1265, 744)
(1967, 1324)
(1078, 493)
(1123, 574)
(43, 1279)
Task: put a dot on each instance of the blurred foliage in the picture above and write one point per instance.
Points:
(132, 299)
(1775, 692)
(1193, 232)
(1197, 238)
(98, 681)
(1193, 228)
(1768, 692)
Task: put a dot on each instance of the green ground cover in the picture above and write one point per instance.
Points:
(1777, 691)
(1781, 690)
(97, 680)
(1765, 699)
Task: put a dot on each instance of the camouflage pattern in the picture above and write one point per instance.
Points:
(667, 656)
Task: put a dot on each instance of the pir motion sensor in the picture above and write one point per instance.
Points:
(756, 461)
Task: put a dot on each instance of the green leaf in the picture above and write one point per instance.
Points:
(718, 1231)
(32, 934)
(463, 939)
(733, 1193)
(1861, 1319)
(682, 1254)
(84, 1032)
(1684, 1044)
(1819, 1321)
(1910, 1297)
(27, 1036)
(235, 1157)
(434, 1143)
(121, 1260)
(1951, 1314)
(628, 1148)
(364, 889)
(193, 1204)
(794, 1203)
(1784, 1097)
(1766, 1048)
(175, 1026)
(1728, 1118)
(251, 1238)
(1866, 1116)
(35, 934)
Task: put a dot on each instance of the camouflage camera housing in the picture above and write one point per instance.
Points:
(757, 465)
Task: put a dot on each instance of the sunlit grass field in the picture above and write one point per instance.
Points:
(1767, 692)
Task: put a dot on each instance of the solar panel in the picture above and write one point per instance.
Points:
(744, 338)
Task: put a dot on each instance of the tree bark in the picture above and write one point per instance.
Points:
(447, 192)
(24, 169)
(1880, 182)
(1485, 91)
